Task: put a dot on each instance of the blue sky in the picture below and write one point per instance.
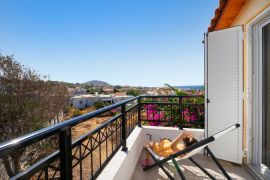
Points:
(122, 42)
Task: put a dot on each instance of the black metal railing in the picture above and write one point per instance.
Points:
(172, 111)
(87, 156)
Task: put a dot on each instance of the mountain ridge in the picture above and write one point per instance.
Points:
(97, 83)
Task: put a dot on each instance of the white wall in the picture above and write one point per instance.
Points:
(90, 101)
(117, 99)
(79, 103)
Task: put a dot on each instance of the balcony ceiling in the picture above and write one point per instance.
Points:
(225, 14)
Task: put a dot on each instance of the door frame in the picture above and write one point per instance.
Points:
(206, 84)
(258, 91)
(254, 92)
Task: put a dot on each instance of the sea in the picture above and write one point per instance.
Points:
(193, 87)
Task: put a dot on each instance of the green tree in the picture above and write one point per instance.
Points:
(91, 90)
(76, 113)
(178, 92)
(133, 92)
(28, 101)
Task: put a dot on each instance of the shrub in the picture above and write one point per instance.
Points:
(107, 103)
(99, 104)
(133, 92)
(76, 113)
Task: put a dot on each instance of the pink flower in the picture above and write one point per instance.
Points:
(153, 114)
(190, 116)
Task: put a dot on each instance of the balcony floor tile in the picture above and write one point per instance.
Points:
(191, 171)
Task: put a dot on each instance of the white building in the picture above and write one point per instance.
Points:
(83, 101)
(87, 100)
(151, 93)
(117, 99)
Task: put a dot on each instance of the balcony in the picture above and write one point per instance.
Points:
(114, 149)
(127, 165)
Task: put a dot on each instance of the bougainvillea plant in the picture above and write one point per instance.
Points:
(191, 115)
(153, 114)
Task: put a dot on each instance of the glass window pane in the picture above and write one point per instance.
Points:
(266, 96)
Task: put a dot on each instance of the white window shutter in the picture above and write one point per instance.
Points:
(224, 89)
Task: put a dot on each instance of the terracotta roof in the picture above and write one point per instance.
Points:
(225, 14)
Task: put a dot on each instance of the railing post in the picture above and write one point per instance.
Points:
(124, 142)
(65, 154)
(139, 112)
(180, 105)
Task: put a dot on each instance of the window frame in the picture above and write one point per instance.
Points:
(257, 96)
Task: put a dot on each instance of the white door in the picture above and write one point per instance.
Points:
(224, 89)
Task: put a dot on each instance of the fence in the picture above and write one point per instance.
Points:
(87, 156)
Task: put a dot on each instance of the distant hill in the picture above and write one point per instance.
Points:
(96, 83)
